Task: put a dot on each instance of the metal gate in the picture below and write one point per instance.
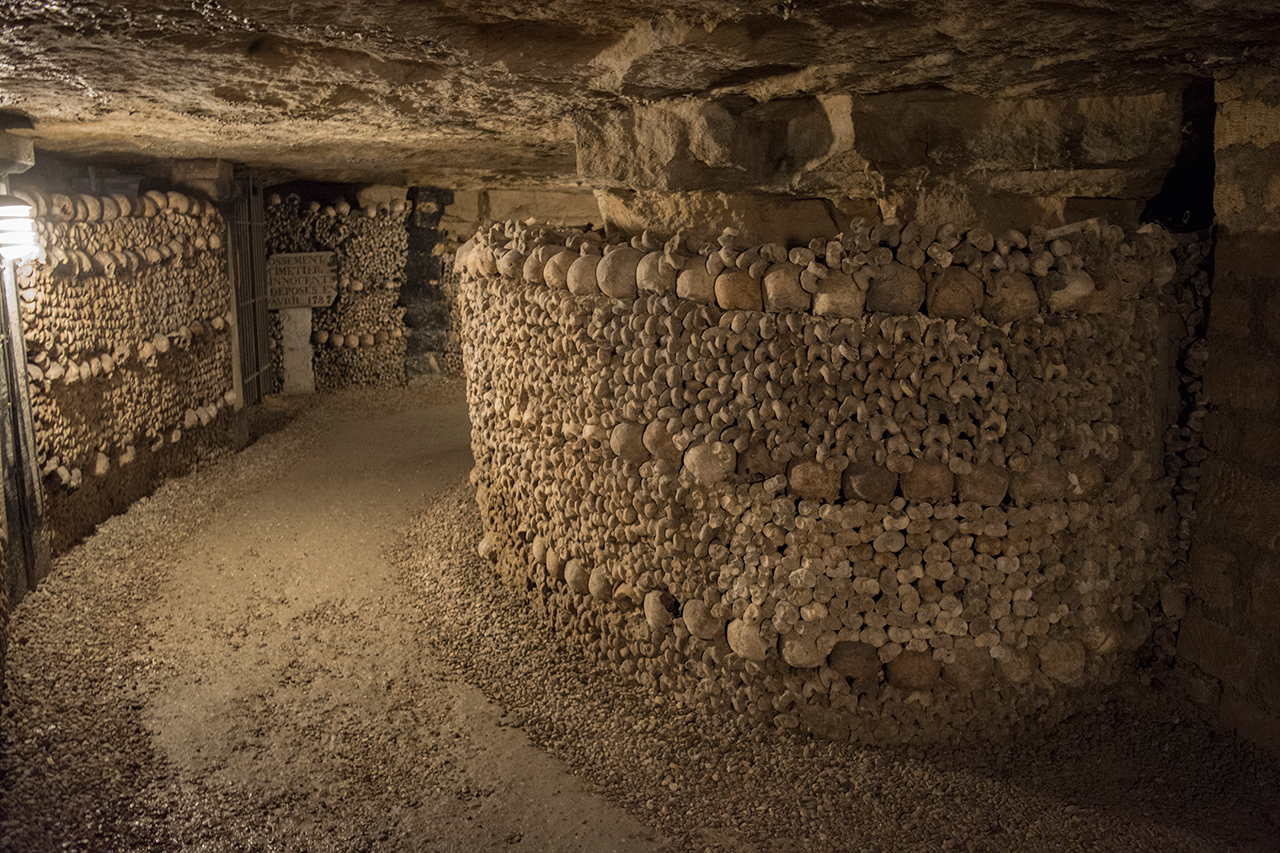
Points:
(248, 260)
(27, 550)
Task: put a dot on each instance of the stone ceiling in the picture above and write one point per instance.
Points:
(485, 92)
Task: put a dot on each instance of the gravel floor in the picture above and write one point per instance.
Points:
(207, 674)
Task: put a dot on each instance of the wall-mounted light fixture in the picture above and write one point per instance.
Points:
(17, 232)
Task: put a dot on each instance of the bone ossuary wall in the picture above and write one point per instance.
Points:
(901, 484)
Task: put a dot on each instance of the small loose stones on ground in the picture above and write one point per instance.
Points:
(81, 769)
(1140, 771)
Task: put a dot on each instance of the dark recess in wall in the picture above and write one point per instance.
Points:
(426, 307)
(1185, 202)
(317, 191)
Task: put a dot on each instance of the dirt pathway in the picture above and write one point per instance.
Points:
(287, 680)
(285, 652)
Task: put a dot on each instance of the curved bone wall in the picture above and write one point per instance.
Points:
(898, 485)
(360, 339)
(126, 323)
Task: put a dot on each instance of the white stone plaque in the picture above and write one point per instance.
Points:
(301, 280)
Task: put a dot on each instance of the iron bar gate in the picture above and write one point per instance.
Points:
(248, 262)
(27, 551)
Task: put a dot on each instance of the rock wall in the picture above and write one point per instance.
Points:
(801, 166)
(360, 339)
(900, 485)
(126, 322)
(1227, 649)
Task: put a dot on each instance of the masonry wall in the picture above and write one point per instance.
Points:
(903, 485)
(360, 338)
(126, 322)
(1228, 651)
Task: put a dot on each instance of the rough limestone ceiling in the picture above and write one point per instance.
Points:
(467, 93)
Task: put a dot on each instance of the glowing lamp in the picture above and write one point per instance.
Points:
(17, 233)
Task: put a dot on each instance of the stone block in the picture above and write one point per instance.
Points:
(758, 217)
(1262, 441)
(1251, 723)
(1211, 575)
(1246, 121)
(1078, 142)
(1217, 651)
(1229, 317)
(1267, 676)
(1241, 378)
(1243, 203)
(1271, 317)
(1239, 504)
(297, 351)
(203, 176)
(1265, 597)
(553, 206)
(1246, 255)
(695, 143)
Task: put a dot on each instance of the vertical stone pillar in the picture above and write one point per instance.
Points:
(299, 378)
(1226, 643)
(209, 178)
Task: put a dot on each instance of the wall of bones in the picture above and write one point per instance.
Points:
(899, 485)
(126, 322)
(360, 339)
